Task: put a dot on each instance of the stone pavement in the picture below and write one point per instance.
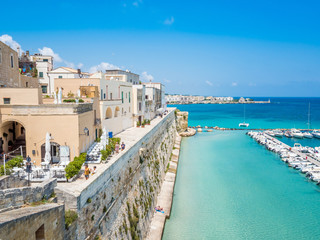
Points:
(166, 196)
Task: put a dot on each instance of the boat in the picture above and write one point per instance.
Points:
(244, 124)
(270, 133)
(296, 133)
(278, 133)
(288, 134)
(307, 135)
(316, 133)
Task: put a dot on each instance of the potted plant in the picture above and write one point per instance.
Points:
(138, 123)
(148, 122)
(142, 125)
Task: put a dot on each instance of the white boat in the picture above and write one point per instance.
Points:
(296, 133)
(270, 133)
(288, 134)
(316, 133)
(307, 135)
(244, 124)
(278, 133)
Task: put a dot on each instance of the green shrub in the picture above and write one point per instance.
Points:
(70, 216)
(14, 162)
(73, 168)
(89, 200)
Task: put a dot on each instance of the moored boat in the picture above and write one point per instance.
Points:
(296, 133)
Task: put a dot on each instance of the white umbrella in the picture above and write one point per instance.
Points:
(104, 138)
(55, 98)
(60, 96)
(47, 157)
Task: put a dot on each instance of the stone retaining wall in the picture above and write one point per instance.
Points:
(12, 182)
(13, 197)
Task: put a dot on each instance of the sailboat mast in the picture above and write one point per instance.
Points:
(309, 117)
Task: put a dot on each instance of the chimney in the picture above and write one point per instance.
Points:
(27, 53)
(18, 50)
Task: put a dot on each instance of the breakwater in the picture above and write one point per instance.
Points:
(298, 157)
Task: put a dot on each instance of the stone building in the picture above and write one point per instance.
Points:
(9, 67)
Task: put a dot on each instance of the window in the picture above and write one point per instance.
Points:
(110, 96)
(11, 60)
(122, 97)
(6, 100)
(104, 96)
(0, 56)
(139, 106)
(44, 89)
(129, 97)
(45, 60)
(60, 77)
(27, 84)
(41, 74)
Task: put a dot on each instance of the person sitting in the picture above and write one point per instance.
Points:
(94, 171)
(123, 146)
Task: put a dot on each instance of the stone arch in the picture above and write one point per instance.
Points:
(108, 113)
(116, 112)
(12, 137)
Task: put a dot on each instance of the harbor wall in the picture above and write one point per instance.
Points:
(120, 203)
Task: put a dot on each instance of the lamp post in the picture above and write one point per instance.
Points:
(4, 163)
(28, 169)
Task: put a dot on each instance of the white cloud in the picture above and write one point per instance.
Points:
(102, 67)
(137, 3)
(209, 83)
(169, 21)
(7, 39)
(234, 84)
(145, 77)
(50, 52)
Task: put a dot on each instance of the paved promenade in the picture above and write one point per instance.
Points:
(166, 196)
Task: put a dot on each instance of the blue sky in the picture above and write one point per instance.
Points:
(220, 48)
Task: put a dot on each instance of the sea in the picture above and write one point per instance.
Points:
(230, 187)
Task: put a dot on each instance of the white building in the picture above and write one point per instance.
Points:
(139, 103)
(124, 76)
(44, 65)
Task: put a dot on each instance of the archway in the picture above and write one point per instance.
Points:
(12, 139)
(108, 113)
(54, 152)
(116, 113)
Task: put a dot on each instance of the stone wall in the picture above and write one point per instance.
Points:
(182, 121)
(44, 221)
(12, 182)
(124, 196)
(14, 197)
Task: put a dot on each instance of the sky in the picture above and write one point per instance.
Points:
(213, 48)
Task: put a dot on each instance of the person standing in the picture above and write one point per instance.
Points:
(86, 172)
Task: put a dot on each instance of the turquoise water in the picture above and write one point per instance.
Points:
(280, 113)
(230, 187)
